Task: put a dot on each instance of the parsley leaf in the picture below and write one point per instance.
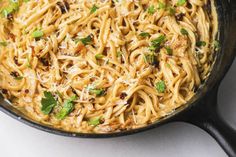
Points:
(201, 43)
(171, 11)
(119, 54)
(181, 2)
(93, 9)
(151, 9)
(94, 121)
(156, 43)
(37, 34)
(3, 43)
(99, 56)
(28, 62)
(158, 40)
(161, 5)
(151, 59)
(68, 107)
(169, 50)
(97, 92)
(160, 86)
(11, 8)
(19, 78)
(216, 45)
(48, 103)
(87, 40)
(183, 31)
(144, 34)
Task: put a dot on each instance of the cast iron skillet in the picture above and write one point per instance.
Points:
(201, 110)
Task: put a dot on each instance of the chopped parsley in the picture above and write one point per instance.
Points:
(87, 40)
(3, 43)
(11, 8)
(169, 50)
(156, 43)
(93, 9)
(216, 45)
(37, 34)
(151, 9)
(97, 92)
(48, 103)
(201, 43)
(119, 54)
(28, 62)
(160, 86)
(181, 2)
(67, 108)
(99, 56)
(183, 31)
(19, 78)
(171, 11)
(151, 59)
(161, 5)
(94, 121)
(144, 34)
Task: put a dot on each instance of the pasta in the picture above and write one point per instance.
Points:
(101, 65)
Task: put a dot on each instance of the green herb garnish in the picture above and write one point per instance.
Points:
(99, 56)
(181, 2)
(216, 45)
(97, 92)
(19, 78)
(151, 9)
(158, 40)
(151, 59)
(3, 43)
(67, 108)
(160, 86)
(28, 62)
(144, 34)
(168, 65)
(201, 43)
(37, 34)
(87, 40)
(161, 5)
(169, 50)
(119, 54)
(93, 9)
(171, 11)
(183, 31)
(11, 8)
(48, 103)
(156, 43)
(94, 121)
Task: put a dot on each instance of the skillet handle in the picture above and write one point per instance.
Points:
(207, 117)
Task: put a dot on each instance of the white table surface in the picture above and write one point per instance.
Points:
(172, 140)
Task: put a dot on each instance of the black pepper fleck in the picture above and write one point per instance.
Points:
(10, 17)
(123, 95)
(64, 6)
(15, 74)
(44, 61)
(180, 16)
(4, 91)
